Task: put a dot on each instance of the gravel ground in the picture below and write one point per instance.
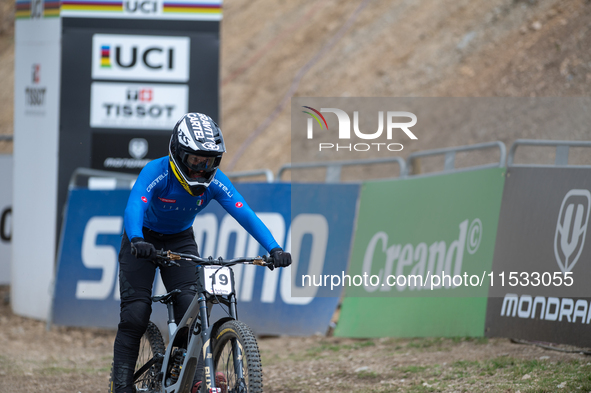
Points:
(72, 360)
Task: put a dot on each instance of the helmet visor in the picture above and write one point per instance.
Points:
(200, 167)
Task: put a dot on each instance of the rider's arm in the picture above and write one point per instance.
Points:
(141, 195)
(234, 203)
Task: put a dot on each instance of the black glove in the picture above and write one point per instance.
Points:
(141, 248)
(280, 257)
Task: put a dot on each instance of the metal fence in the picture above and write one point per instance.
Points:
(562, 151)
(334, 168)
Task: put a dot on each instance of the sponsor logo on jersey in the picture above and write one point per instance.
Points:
(144, 199)
(167, 200)
(239, 205)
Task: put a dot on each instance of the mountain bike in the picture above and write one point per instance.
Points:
(228, 346)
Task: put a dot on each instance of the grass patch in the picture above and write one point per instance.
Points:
(368, 375)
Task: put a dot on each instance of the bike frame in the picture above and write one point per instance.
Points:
(199, 335)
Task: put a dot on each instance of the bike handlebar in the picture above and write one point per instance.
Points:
(169, 258)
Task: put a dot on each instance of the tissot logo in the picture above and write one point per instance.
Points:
(393, 124)
(571, 228)
(129, 105)
(35, 94)
(134, 57)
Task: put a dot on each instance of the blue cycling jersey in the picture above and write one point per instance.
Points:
(159, 202)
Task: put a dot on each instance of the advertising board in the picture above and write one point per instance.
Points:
(86, 288)
(542, 255)
(421, 256)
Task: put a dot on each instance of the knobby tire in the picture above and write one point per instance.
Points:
(228, 333)
(147, 368)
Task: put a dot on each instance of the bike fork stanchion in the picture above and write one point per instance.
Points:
(207, 349)
(237, 351)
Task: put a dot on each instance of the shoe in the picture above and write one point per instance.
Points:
(196, 387)
(220, 381)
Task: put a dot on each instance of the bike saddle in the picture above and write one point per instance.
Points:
(166, 298)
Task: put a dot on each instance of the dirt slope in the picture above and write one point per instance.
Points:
(391, 48)
(272, 50)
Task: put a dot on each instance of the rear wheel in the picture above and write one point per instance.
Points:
(147, 367)
(235, 336)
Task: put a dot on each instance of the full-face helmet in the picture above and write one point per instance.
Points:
(195, 151)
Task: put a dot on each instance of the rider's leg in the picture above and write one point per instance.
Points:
(183, 278)
(135, 280)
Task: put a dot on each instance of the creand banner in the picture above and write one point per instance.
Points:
(422, 253)
(542, 261)
(87, 290)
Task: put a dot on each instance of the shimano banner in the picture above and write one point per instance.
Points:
(87, 290)
(542, 268)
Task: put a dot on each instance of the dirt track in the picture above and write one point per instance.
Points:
(72, 360)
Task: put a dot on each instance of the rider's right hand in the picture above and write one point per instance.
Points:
(141, 248)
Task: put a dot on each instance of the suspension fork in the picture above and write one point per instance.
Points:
(208, 365)
(236, 350)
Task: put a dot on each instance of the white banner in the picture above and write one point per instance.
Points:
(131, 105)
(140, 57)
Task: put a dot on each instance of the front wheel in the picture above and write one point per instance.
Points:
(236, 356)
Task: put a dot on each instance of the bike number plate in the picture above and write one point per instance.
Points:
(218, 280)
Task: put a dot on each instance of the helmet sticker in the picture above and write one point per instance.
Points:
(185, 137)
(211, 146)
(196, 125)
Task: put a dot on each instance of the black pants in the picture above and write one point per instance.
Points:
(136, 276)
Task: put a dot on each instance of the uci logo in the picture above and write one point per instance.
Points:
(344, 131)
(134, 57)
(571, 228)
(144, 7)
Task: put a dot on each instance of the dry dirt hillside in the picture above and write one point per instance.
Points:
(273, 50)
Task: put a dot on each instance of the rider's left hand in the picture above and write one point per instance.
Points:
(280, 257)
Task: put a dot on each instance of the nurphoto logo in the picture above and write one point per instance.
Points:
(393, 126)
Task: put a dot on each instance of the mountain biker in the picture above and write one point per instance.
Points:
(167, 195)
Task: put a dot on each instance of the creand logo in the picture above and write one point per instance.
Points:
(420, 261)
(571, 228)
(344, 129)
(135, 57)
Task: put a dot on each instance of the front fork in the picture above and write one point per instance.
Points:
(236, 350)
(208, 361)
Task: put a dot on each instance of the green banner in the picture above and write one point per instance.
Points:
(422, 256)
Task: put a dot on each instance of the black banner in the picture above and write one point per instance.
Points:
(125, 83)
(542, 259)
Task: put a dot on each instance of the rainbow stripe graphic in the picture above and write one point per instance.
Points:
(105, 56)
(315, 117)
(51, 9)
(23, 9)
(191, 7)
(93, 6)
